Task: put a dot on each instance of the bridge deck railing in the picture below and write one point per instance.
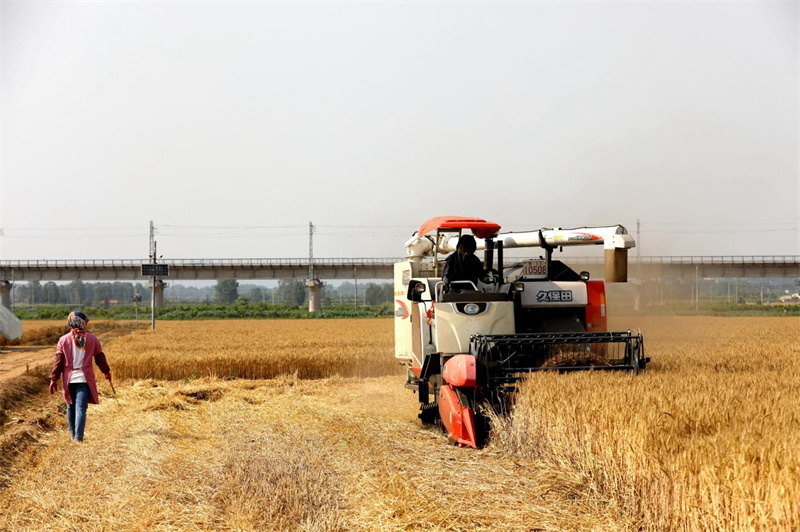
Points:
(136, 263)
(366, 261)
(699, 260)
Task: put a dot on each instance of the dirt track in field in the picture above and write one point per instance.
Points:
(197, 448)
(15, 361)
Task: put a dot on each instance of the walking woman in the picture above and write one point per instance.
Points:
(73, 364)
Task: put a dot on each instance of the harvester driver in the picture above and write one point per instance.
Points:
(462, 264)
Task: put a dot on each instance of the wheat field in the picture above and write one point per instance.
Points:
(707, 439)
(47, 332)
(257, 349)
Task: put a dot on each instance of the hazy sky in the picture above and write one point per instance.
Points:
(232, 125)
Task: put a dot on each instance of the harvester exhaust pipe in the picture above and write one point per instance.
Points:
(499, 246)
(488, 254)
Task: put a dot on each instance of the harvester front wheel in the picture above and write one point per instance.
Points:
(429, 413)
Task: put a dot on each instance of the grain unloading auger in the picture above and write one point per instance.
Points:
(466, 344)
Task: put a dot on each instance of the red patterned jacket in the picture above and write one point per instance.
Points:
(62, 364)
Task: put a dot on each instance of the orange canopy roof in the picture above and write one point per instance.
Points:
(479, 227)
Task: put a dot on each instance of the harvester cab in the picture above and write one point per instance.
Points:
(466, 345)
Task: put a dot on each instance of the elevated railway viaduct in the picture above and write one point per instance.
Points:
(641, 269)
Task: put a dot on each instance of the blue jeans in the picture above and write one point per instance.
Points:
(76, 412)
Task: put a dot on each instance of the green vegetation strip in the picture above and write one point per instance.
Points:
(201, 311)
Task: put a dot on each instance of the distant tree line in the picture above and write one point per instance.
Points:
(79, 293)
(104, 294)
(729, 290)
(294, 291)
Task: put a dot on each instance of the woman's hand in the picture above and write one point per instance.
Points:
(107, 376)
(53, 387)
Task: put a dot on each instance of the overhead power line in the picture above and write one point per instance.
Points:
(726, 222)
(71, 228)
(724, 231)
(369, 226)
(75, 237)
(233, 226)
(232, 235)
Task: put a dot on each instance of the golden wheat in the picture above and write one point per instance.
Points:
(706, 439)
(253, 349)
(37, 333)
(47, 332)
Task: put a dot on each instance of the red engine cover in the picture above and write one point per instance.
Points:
(460, 371)
(596, 319)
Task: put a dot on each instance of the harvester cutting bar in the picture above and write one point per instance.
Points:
(506, 358)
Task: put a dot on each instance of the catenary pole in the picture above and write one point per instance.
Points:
(153, 283)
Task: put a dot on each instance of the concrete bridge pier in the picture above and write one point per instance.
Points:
(159, 292)
(5, 294)
(314, 295)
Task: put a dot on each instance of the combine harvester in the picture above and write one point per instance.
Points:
(466, 346)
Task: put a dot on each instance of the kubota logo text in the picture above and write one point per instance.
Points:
(554, 296)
